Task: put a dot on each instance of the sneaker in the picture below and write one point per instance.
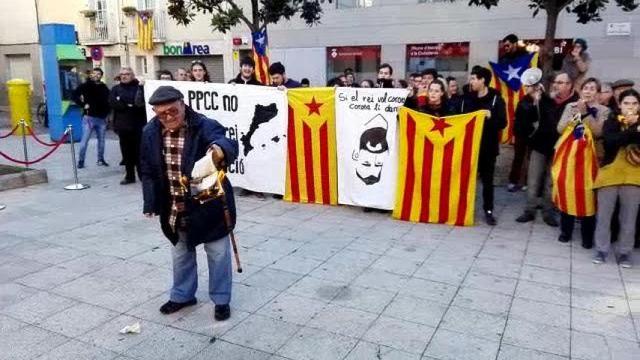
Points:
(102, 163)
(624, 260)
(563, 238)
(599, 257)
(170, 306)
(526, 217)
(550, 220)
(512, 187)
(222, 312)
(489, 218)
(524, 188)
(80, 164)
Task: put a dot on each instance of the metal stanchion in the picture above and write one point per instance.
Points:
(24, 144)
(76, 185)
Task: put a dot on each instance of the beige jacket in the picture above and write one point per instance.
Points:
(594, 124)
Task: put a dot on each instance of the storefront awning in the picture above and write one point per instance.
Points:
(68, 52)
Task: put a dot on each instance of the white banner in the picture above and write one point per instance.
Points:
(255, 116)
(366, 122)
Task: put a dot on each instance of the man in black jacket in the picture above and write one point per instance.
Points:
(93, 96)
(483, 97)
(247, 75)
(174, 143)
(511, 49)
(536, 121)
(128, 121)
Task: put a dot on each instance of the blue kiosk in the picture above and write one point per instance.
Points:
(62, 61)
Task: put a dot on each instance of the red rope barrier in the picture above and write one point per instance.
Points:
(37, 139)
(15, 128)
(46, 155)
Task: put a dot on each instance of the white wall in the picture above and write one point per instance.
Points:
(19, 23)
(301, 63)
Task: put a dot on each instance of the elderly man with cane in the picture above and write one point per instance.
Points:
(181, 145)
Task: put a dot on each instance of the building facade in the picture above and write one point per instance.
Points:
(450, 36)
(360, 34)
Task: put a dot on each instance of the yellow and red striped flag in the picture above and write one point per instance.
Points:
(574, 170)
(437, 167)
(260, 52)
(144, 24)
(312, 175)
(506, 80)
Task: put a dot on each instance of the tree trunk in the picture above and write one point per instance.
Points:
(549, 38)
(255, 6)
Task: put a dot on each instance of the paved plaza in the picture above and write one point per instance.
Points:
(320, 282)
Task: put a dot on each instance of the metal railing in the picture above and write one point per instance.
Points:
(102, 28)
(159, 26)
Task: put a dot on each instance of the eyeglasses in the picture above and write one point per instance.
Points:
(561, 82)
(197, 62)
(171, 112)
(125, 74)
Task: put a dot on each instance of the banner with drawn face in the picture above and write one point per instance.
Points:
(366, 122)
(255, 116)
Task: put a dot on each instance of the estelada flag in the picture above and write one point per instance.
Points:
(437, 167)
(506, 80)
(260, 53)
(312, 175)
(144, 25)
(574, 170)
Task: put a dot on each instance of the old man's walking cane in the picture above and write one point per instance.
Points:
(217, 192)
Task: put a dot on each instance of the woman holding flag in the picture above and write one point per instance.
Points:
(576, 160)
(619, 179)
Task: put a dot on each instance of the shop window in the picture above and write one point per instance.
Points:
(448, 58)
(364, 61)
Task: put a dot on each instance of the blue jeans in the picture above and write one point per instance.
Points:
(89, 124)
(185, 271)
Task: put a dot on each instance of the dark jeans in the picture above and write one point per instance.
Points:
(486, 169)
(518, 172)
(587, 228)
(130, 146)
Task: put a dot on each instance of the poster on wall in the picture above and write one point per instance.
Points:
(255, 116)
(366, 121)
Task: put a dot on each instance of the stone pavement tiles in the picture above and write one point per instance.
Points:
(319, 283)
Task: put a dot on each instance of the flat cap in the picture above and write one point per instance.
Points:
(165, 94)
(622, 82)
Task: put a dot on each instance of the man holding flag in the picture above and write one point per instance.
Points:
(507, 73)
(483, 97)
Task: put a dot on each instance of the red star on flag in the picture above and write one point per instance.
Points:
(440, 124)
(314, 107)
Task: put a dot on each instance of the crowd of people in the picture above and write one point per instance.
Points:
(609, 110)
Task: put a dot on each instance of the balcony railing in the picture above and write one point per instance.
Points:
(100, 29)
(159, 26)
(103, 28)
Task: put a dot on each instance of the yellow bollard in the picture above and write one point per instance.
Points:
(19, 102)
